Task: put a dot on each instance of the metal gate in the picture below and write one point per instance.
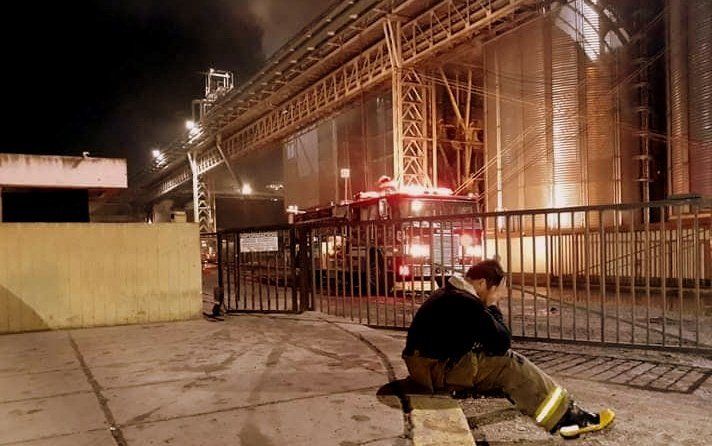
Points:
(630, 275)
(259, 270)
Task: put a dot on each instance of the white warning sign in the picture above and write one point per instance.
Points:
(259, 242)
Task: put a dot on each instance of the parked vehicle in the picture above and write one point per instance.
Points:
(393, 241)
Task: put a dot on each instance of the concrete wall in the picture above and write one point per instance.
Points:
(62, 171)
(81, 275)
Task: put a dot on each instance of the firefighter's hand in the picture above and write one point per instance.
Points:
(492, 297)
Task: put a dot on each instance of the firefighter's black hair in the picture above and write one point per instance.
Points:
(490, 270)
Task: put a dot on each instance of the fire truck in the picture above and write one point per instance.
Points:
(389, 242)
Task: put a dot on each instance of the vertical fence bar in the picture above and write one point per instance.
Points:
(268, 279)
(394, 274)
(359, 245)
(602, 272)
(560, 251)
(521, 271)
(431, 257)
(648, 266)
(377, 269)
(330, 252)
(633, 273)
(252, 278)
(411, 263)
(575, 265)
(617, 270)
(296, 308)
(678, 243)
(547, 272)
(483, 236)
(369, 278)
(228, 276)
(348, 247)
(496, 241)
(663, 270)
(312, 234)
(587, 267)
(342, 268)
(509, 270)
(303, 245)
(320, 270)
(442, 252)
(452, 249)
(697, 253)
(220, 255)
(422, 265)
(241, 301)
(534, 294)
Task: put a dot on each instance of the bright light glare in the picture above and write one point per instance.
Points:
(246, 189)
(156, 153)
(416, 206)
(190, 125)
(466, 240)
(418, 250)
(404, 270)
(473, 251)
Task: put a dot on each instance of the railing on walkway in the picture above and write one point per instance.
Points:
(633, 274)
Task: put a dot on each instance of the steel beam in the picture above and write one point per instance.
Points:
(447, 23)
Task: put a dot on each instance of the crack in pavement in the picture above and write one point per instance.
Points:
(103, 402)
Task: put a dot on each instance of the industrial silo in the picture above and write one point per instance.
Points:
(690, 99)
(565, 122)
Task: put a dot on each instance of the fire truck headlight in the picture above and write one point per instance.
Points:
(418, 250)
(466, 240)
(473, 251)
(404, 270)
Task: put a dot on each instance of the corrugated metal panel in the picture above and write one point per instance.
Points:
(522, 104)
(561, 140)
(509, 72)
(700, 75)
(537, 157)
(679, 124)
(564, 90)
(600, 158)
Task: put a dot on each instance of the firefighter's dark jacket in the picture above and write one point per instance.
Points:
(454, 321)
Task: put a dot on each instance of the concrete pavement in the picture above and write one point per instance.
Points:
(252, 380)
(277, 380)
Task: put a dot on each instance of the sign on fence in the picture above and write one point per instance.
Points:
(259, 242)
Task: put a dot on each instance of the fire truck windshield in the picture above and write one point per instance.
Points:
(418, 207)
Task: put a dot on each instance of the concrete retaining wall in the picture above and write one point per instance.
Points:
(83, 275)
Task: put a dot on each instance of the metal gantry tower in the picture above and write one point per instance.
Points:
(412, 101)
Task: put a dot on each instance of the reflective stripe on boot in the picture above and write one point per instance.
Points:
(552, 408)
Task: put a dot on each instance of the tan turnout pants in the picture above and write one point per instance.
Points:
(533, 392)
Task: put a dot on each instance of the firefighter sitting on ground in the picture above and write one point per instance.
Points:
(458, 341)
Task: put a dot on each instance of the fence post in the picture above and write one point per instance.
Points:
(304, 263)
(293, 259)
(220, 259)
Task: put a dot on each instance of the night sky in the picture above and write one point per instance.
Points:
(116, 78)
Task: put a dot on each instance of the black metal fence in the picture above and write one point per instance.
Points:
(637, 274)
(259, 270)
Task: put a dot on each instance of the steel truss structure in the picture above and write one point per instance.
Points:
(427, 34)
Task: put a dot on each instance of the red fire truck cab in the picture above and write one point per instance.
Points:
(394, 242)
